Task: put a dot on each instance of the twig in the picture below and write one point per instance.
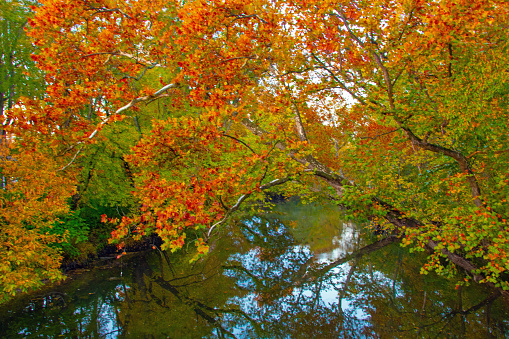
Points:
(380, 135)
(485, 152)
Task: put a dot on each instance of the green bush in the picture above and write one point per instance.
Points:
(72, 229)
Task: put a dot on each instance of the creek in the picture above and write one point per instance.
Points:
(300, 271)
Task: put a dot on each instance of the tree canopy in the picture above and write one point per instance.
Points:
(396, 110)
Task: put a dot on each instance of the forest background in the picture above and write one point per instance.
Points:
(124, 119)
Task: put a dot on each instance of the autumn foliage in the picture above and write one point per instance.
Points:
(397, 110)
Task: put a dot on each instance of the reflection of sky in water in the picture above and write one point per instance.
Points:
(331, 285)
(342, 244)
(108, 326)
(106, 320)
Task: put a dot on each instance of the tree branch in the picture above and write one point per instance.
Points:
(460, 159)
(244, 197)
(133, 102)
(240, 141)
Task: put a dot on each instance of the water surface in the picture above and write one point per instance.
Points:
(300, 273)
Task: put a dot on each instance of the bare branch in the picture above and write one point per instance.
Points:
(301, 131)
(238, 140)
(244, 197)
(460, 159)
(133, 102)
(72, 160)
(138, 60)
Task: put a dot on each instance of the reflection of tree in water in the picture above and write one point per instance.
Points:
(320, 227)
(288, 287)
(72, 314)
(259, 282)
(184, 301)
(272, 263)
(373, 291)
(402, 303)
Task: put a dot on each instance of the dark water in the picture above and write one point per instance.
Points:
(302, 273)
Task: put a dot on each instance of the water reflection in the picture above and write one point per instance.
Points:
(303, 273)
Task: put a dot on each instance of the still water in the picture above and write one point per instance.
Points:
(301, 272)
